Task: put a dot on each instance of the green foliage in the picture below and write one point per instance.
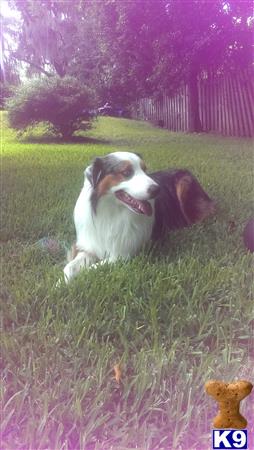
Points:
(47, 35)
(62, 102)
(129, 49)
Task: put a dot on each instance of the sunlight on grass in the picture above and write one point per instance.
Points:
(175, 317)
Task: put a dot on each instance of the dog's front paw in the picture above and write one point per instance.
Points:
(73, 267)
(99, 263)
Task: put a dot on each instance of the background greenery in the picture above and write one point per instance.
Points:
(174, 317)
(128, 50)
(63, 103)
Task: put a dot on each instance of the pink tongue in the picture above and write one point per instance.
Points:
(140, 206)
(146, 208)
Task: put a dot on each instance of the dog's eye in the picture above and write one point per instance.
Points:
(127, 172)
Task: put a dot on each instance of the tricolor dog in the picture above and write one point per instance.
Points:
(121, 208)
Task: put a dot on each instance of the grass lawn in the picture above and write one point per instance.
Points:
(174, 317)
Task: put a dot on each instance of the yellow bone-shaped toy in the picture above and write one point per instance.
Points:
(228, 396)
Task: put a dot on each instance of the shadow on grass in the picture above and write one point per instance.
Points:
(50, 139)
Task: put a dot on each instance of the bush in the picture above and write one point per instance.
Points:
(61, 102)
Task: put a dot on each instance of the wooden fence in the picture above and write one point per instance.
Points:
(226, 106)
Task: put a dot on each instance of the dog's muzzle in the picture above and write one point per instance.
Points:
(137, 206)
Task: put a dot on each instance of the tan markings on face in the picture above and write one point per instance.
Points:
(113, 179)
(143, 166)
(124, 168)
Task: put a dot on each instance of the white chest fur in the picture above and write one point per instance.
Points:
(113, 231)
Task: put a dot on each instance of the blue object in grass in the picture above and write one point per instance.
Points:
(51, 246)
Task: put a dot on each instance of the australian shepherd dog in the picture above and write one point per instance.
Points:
(121, 208)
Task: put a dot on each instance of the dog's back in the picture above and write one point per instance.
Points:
(181, 201)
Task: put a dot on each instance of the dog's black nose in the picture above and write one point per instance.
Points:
(153, 190)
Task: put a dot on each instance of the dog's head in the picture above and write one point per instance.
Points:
(123, 176)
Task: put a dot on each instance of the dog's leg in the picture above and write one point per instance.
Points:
(81, 260)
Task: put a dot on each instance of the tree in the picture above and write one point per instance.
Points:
(115, 50)
(126, 50)
(61, 37)
(9, 76)
(62, 102)
(8, 64)
(203, 36)
(156, 46)
(47, 36)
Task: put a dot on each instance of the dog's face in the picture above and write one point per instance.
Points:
(123, 176)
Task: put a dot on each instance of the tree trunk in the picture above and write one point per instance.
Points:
(37, 66)
(59, 68)
(194, 122)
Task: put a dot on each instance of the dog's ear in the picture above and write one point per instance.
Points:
(94, 172)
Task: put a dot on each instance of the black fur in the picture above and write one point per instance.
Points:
(99, 168)
(168, 211)
(169, 214)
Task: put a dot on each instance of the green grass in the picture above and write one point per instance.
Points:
(174, 317)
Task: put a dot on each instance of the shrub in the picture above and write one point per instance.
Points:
(63, 103)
